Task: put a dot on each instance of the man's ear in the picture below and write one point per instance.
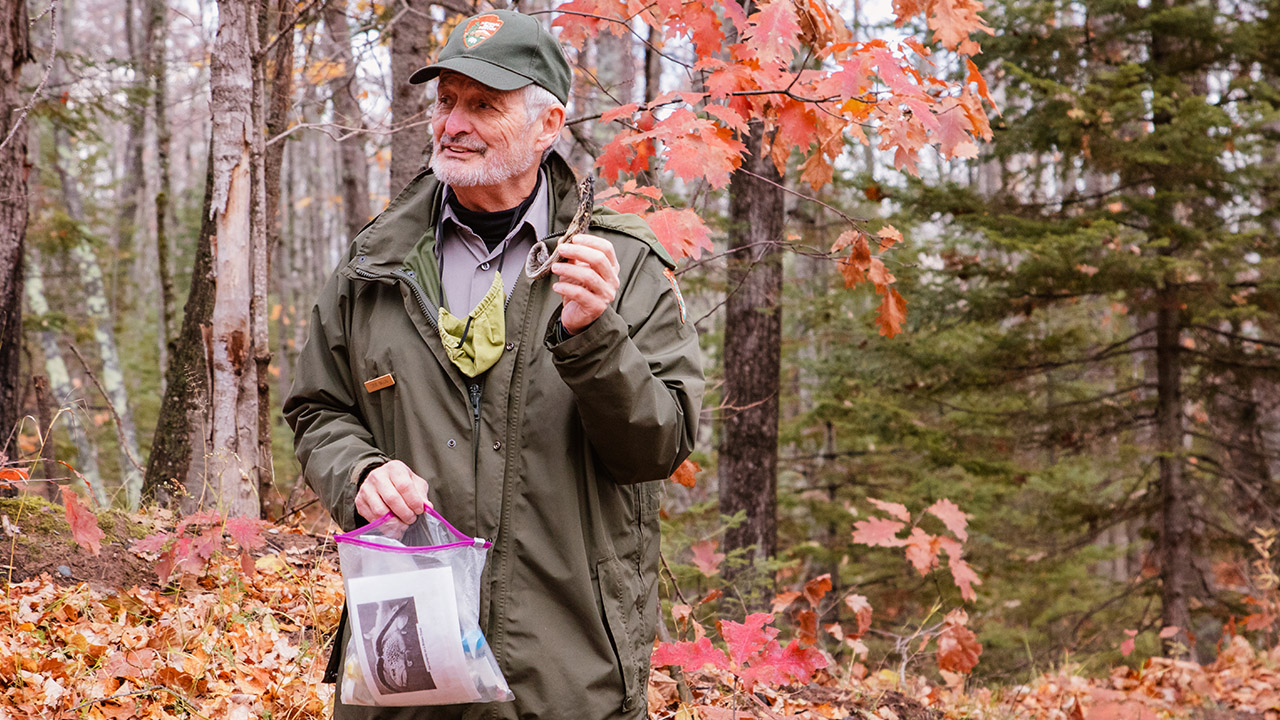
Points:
(552, 122)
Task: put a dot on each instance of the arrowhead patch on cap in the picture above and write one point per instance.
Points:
(480, 28)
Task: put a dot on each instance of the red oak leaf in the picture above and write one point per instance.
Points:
(892, 313)
(747, 638)
(705, 557)
(922, 550)
(773, 33)
(783, 600)
(878, 532)
(889, 236)
(951, 516)
(1126, 647)
(816, 588)
(686, 474)
(246, 531)
(958, 647)
(894, 509)
(84, 524)
(861, 612)
(681, 232)
(690, 655)
(620, 111)
(806, 626)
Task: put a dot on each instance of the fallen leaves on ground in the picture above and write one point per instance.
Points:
(224, 646)
(227, 645)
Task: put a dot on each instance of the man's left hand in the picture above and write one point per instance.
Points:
(588, 280)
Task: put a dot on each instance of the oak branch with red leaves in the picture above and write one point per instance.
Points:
(794, 69)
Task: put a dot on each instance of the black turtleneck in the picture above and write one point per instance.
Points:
(492, 227)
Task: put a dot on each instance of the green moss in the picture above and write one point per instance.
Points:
(37, 517)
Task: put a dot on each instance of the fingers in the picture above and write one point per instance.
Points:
(588, 275)
(392, 488)
(593, 252)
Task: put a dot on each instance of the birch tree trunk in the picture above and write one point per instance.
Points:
(343, 90)
(60, 384)
(232, 338)
(15, 51)
(410, 49)
(104, 336)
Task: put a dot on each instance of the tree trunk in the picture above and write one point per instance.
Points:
(1176, 568)
(61, 388)
(232, 431)
(15, 51)
(410, 50)
(178, 442)
(748, 456)
(157, 35)
(133, 182)
(104, 335)
(272, 158)
(343, 90)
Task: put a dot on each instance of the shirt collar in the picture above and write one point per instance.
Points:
(536, 217)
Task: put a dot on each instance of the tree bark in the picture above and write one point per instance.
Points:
(343, 90)
(748, 459)
(410, 50)
(103, 326)
(15, 51)
(178, 442)
(133, 182)
(1176, 568)
(61, 388)
(232, 430)
(157, 35)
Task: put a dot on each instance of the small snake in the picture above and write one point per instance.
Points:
(540, 259)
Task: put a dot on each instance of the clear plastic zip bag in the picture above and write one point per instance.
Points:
(413, 604)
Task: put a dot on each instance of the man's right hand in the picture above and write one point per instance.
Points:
(392, 488)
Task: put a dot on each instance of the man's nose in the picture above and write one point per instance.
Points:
(457, 122)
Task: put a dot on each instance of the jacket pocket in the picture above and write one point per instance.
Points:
(617, 600)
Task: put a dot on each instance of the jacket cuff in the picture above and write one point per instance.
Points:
(346, 515)
(609, 325)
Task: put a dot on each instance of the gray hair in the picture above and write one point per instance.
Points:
(536, 99)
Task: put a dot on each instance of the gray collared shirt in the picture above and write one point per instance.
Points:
(467, 265)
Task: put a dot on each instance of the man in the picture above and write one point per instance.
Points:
(541, 414)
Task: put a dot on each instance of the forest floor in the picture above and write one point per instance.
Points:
(98, 636)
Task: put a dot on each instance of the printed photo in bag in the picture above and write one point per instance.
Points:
(408, 638)
(400, 666)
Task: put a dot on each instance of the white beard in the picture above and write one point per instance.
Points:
(491, 168)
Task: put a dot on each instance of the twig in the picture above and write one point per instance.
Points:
(53, 56)
(191, 707)
(119, 424)
(339, 138)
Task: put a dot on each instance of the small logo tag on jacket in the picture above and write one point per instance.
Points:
(379, 383)
(480, 29)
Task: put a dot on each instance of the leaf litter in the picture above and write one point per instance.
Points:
(226, 643)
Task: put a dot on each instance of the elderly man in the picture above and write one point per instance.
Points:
(541, 413)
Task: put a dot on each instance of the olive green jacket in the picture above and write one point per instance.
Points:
(556, 454)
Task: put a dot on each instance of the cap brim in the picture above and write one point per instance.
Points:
(482, 71)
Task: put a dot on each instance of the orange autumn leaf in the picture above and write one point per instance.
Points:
(686, 473)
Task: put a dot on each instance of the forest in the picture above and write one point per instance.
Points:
(986, 295)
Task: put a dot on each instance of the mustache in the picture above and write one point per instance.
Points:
(462, 141)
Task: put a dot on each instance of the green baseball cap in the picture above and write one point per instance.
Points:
(506, 51)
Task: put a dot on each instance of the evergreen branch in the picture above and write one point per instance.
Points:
(1235, 336)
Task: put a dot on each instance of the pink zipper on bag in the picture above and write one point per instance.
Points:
(465, 540)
